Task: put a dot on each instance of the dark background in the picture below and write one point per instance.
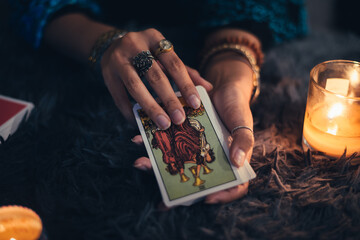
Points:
(72, 160)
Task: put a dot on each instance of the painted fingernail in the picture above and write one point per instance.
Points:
(212, 201)
(177, 116)
(239, 157)
(163, 122)
(141, 167)
(194, 101)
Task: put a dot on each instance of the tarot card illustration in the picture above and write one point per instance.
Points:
(189, 156)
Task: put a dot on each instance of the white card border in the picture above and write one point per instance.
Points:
(11, 125)
(242, 174)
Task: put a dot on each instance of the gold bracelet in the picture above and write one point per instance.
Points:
(102, 43)
(243, 51)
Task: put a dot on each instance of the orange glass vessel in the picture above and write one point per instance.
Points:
(332, 116)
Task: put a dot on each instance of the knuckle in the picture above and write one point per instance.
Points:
(245, 138)
(154, 77)
(175, 65)
(153, 32)
(194, 71)
(251, 140)
(188, 88)
(170, 103)
(132, 85)
(129, 38)
(152, 110)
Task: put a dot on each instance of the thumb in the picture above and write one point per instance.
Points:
(241, 146)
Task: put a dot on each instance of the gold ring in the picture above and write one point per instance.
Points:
(164, 46)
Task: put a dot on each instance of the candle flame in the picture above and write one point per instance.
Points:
(335, 111)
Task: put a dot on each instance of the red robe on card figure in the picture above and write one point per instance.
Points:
(185, 143)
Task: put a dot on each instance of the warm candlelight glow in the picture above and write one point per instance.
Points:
(332, 118)
(335, 111)
(355, 78)
(337, 85)
(333, 135)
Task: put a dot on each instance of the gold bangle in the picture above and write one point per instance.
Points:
(102, 43)
(242, 50)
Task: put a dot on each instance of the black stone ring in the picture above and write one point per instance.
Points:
(143, 62)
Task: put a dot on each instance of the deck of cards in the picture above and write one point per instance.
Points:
(191, 160)
(12, 112)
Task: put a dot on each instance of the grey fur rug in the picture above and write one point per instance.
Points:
(72, 160)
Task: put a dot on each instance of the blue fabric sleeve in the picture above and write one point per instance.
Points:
(282, 19)
(29, 17)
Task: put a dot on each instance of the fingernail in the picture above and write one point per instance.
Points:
(163, 122)
(212, 201)
(239, 157)
(177, 116)
(208, 84)
(194, 101)
(141, 167)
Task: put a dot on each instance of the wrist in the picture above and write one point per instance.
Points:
(235, 36)
(74, 35)
(102, 44)
(229, 70)
(244, 44)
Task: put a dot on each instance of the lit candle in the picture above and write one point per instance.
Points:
(330, 130)
(332, 118)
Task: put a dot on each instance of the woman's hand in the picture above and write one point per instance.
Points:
(232, 78)
(120, 76)
(74, 34)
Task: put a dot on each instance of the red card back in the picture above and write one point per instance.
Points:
(9, 109)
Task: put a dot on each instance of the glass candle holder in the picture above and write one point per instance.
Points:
(332, 116)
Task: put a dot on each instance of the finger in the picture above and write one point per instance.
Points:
(137, 140)
(176, 69)
(139, 92)
(161, 85)
(119, 95)
(180, 75)
(198, 80)
(241, 147)
(162, 67)
(194, 76)
(228, 195)
(234, 110)
(143, 163)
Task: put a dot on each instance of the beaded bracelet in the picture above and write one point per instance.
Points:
(240, 40)
(242, 50)
(102, 43)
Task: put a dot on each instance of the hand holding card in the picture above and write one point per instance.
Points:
(191, 160)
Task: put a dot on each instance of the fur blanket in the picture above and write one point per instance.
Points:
(72, 160)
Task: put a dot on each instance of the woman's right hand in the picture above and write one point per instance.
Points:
(120, 76)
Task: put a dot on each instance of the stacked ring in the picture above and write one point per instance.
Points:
(164, 46)
(143, 62)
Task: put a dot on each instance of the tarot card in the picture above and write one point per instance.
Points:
(191, 160)
(12, 112)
